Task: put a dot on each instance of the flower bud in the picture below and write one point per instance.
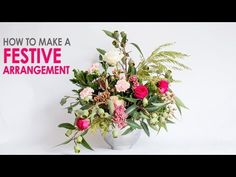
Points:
(106, 115)
(115, 43)
(86, 99)
(100, 111)
(162, 119)
(145, 102)
(111, 107)
(116, 34)
(102, 125)
(131, 62)
(68, 133)
(85, 113)
(77, 149)
(153, 121)
(165, 115)
(122, 34)
(79, 139)
(114, 133)
(79, 112)
(154, 115)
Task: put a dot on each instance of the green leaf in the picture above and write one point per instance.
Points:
(124, 39)
(87, 106)
(69, 109)
(179, 102)
(133, 124)
(160, 105)
(164, 126)
(132, 100)
(151, 109)
(66, 142)
(131, 109)
(123, 34)
(169, 121)
(142, 115)
(94, 112)
(152, 126)
(179, 109)
(137, 47)
(67, 126)
(86, 145)
(129, 130)
(84, 133)
(135, 115)
(156, 106)
(63, 101)
(101, 51)
(108, 33)
(145, 128)
(162, 46)
(153, 99)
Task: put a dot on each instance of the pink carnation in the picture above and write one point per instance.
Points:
(93, 68)
(122, 85)
(120, 116)
(134, 80)
(86, 92)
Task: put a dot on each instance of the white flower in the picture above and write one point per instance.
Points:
(93, 68)
(113, 56)
(122, 85)
(86, 92)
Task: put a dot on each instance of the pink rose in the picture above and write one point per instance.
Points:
(82, 124)
(163, 86)
(140, 91)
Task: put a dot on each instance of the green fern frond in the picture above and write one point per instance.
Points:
(174, 62)
(161, 47)
(172, 54)
(177, 68)
(160, 62)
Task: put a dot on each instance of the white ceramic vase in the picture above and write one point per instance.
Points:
(122, 141)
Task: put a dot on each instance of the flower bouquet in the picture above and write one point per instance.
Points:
(119, 97)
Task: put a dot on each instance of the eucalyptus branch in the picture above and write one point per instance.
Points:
(122, 66)
(73, 137)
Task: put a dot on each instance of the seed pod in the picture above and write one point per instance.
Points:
(153, 121)
(123, 34)
(145, 102)
(154, 115)
(115, 43)
(111, 107)
(85, 113)
(68, 133)
(77, 149)
(101, 111)
(116, 35)
(115, 133)
(79, 139)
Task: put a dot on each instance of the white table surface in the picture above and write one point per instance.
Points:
(148, 146)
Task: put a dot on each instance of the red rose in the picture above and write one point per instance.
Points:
(140, 91)
(82, 124)
(163, 86)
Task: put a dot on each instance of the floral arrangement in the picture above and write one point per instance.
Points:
(123, 95)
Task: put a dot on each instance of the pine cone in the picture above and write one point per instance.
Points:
(103, 97)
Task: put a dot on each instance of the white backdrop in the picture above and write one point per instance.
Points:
(30, 109)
